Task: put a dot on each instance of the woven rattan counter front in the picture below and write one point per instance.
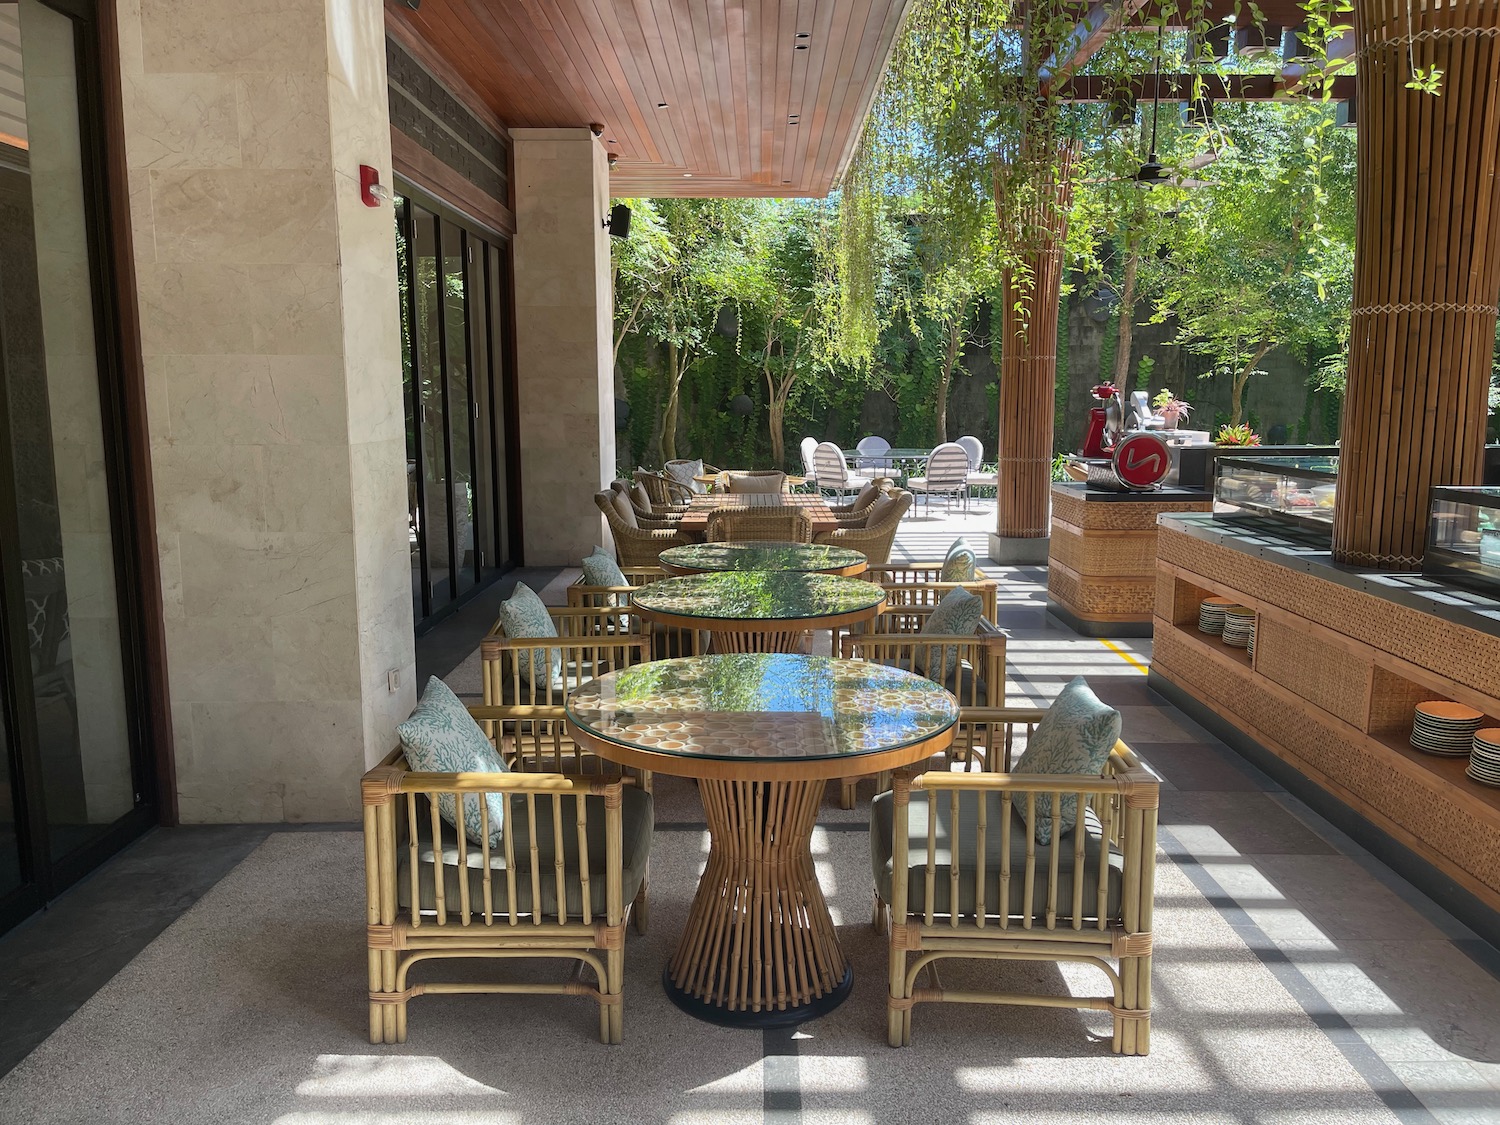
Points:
(762, 733)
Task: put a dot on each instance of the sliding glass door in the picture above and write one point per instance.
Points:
(76, 778)
(453, 292)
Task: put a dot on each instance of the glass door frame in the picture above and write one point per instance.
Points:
(131, 509)
(502, 398)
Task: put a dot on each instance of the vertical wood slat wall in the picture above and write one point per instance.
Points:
(1028, 364)
(1426, 275)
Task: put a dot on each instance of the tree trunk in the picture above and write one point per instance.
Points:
(777, 411)
(1237, 386)
(945, 375)
(669, 414)
(1127, 320)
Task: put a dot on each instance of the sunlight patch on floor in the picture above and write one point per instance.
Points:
(348, 1076)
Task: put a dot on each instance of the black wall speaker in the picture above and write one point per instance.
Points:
(619, 221)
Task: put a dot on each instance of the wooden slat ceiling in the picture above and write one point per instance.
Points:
(729, 73)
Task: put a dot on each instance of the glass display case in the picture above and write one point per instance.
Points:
(1289, 496)
(1463, 537)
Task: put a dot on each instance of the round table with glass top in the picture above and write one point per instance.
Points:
(758, 610)
(820, 558)
(763, 733)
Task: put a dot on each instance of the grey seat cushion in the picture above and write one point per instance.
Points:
(881, 849)
(637, 821)
(960, 680)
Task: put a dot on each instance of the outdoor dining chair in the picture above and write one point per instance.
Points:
(773, 524)
(871, 453)
(947, 474)
(978, 478)
(757, 480)
(809, 468)
(833, 471)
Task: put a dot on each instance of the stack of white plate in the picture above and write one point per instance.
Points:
(1441, 727)
(1211, 615)
(1239, 626)
(1250, 646)
(1484, 761)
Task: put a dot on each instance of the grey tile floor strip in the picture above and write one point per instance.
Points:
(1382, 1080)
(781, 1076)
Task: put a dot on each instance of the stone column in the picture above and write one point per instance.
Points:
(564, 341)
(1028, 370)
(1426, 273)
(270, 334)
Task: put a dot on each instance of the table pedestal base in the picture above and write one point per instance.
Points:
(759, 948)
(771, 640)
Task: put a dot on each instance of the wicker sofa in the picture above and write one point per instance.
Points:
(958, 874)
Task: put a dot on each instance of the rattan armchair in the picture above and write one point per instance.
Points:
(743, 525)
(559, 883)
(756, 481)
(664, 492)
(640, 503)
(853, 513)
(636, 544)
(959, 874)
(874, 541)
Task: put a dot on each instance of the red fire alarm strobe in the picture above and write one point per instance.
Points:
(370, 189)
(1141, 460)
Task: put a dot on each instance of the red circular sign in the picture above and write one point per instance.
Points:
(1141, 459)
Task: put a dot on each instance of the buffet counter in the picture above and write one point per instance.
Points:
(1101, 557)
(1323, 697)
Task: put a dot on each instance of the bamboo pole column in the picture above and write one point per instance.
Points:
(1031, 295)
(1426, 272)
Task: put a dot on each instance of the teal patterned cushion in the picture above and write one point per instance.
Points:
(600, 569)
(440, 737)
(1075, 736)
(961, 565)
(524, 615)
(957, 615)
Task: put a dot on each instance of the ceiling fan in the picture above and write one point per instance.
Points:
(1153, 173)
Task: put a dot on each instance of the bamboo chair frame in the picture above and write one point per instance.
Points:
(983, 651)
(786, 524)
(398, 803)
(873, 542)
(924, 595)
(1125, 800)
(690, 642)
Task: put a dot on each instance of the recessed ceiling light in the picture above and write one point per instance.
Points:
(802, 35)
(613, 141)
(687, 175)
(800, 47)
(661, 105)
(786, 181)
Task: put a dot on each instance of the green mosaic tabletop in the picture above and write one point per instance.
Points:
(770, 706)
(761, 556)
(758, 595)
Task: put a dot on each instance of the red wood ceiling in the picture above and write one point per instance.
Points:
(729, 72)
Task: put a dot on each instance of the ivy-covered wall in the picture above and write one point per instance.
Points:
(898, 403)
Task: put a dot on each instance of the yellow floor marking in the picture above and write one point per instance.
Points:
(1125, 656)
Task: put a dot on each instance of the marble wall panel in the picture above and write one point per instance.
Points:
(280, 216)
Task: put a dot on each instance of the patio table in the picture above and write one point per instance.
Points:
(759, 610)
(904, 462)
(695, 558)
(694, 521)
(763, 734)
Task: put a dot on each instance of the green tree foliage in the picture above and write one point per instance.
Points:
(1262, 255)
